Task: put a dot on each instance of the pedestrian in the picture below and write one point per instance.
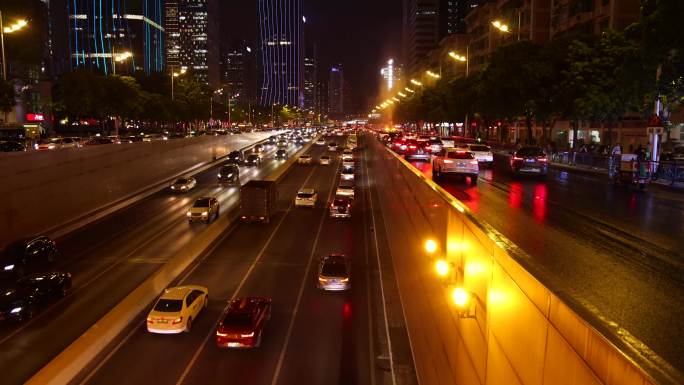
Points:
(617, 150)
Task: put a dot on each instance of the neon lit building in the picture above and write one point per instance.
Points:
(101, 29)
(391, 75)
(282, 52)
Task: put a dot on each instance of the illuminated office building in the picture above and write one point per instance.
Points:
(99, 30)
(282, 52)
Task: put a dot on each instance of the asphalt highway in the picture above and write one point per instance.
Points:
(108, 259)
(313, 337)
(616, 251)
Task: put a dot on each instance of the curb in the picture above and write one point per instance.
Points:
(71, 362)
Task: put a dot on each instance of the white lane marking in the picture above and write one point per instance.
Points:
(199, 350)
(371, 350)
(142, 321)
(382, 286)
(281, 357)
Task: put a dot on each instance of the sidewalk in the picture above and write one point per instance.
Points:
(587, 170)
(600, 172)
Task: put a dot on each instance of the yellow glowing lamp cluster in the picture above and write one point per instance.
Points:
(177, 74)
(460, 297)
(500, 26)
(123, 56)
(16, 26)
(457, 57)
(432, 74)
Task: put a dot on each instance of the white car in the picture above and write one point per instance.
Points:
(332, 146)
(347, 173)
(305, 159)
(482, 152)
(334, 271)
(345, 189)
(183, 184)
(176, 309)
(347, 155)
(348, 164)
(306, 197)
(320, 142)
(454, 161)
(325, 160)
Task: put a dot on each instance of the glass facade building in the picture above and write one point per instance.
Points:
(100, 30)
(282, 52)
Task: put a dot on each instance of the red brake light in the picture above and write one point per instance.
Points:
(177, 320)
(544, 159)
(517, 158)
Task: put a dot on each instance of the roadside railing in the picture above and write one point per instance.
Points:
(669, 171)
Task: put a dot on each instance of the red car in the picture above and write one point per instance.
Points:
(243, 323)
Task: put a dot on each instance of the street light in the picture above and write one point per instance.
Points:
(432, 74)
(409, 90)
(416, 82)
(118, 58)
(3, 30)
(500, 26)
(175, 75)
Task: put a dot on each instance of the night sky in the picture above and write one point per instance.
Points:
(359, 34)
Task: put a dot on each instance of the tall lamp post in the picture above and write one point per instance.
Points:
(175, 74)
(230, 99)
(119, 58)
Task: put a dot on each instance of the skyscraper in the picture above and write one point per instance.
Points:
(282, 52)
(238, 73)
(310, 82)
(452, 17)
(198, 39)
(336, 92)
(99, 30)
(421, 30)
(391, 75)
(172, 29)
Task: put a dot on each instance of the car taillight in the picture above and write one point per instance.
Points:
(412, 147)
(544, 159)
(248, 335)
(344, 280)
(473, 162)
(177, 321)
(447, 161)
(220, 334)
(517, 158)
(150, 320)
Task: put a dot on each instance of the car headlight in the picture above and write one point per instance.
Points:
(219, 175)
(205, 213)
(173, 187)
(189, 213)
(16, 310)
(9, 267)
(184, 187)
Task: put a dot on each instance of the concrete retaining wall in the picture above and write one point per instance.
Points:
(524, 332)
(41, 190)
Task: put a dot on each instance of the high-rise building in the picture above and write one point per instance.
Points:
(452, 17)
(100, 30)
(392, 75)
(198, 39)
(282, 52)
(421, 30)
(238, 73)
(321, 97)
(310, 73)
(336, 92)
(172, 29)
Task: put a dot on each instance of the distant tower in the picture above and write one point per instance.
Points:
(391, 75)
(336, 92)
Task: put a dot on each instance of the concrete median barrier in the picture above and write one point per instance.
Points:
(45, 190)
(64, 368)
(521, 327)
